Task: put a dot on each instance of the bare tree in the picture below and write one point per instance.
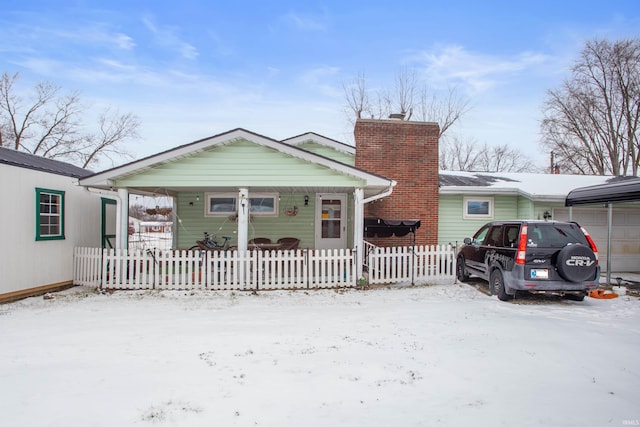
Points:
(49, 124)
(592, 121)
(467, 155)
(446, 112)
(357, 96)
(406, 98)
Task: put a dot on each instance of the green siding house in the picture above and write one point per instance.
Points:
(244, 185)
(470, 199)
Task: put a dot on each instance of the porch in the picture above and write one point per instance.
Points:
(261, 270)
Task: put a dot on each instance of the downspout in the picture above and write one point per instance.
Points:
(358, 229)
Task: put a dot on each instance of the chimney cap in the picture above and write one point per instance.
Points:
(397, 116)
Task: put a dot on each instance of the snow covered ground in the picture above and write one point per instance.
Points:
(413, 356)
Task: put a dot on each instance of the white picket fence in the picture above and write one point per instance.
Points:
(219, 270)
(258, 270)
(410, 264)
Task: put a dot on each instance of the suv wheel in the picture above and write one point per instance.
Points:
(576, 263)
(461, 270)
(496, 282)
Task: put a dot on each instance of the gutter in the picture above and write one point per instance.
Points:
(378, 196)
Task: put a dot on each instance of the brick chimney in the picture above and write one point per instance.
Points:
(406, 152)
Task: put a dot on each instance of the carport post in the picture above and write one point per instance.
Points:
(609, 221)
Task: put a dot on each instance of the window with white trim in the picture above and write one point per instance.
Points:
(263, 204)
(49, 214)
(220, 204)
(225, 204)
(478, 208)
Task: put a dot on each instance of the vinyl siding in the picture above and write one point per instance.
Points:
(323, 150)
(239, 164)
(452, 227)
(191, 222)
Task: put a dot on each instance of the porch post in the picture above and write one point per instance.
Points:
(358, 229)
(122, 219)
(243, 219)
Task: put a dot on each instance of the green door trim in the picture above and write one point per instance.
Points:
(104, 239)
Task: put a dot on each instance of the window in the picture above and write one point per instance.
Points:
(221, 204)
(495, 236)
(225, 204)
(480, 235)
(263, 204)
(478, 207)
(49, 214)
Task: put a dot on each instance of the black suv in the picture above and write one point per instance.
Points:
(534, 256)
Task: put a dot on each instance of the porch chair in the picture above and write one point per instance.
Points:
(289, 243)
(259, 240)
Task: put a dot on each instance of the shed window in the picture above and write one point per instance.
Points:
(477, 207)
(49, 214)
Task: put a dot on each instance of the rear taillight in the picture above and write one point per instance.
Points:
(522, 245)
(591, 243)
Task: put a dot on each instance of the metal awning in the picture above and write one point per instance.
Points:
(627, 190)
(378, 227)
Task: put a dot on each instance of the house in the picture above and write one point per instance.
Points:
(469, 199)
(45, 215)
(243, 185)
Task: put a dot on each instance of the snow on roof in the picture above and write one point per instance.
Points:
(532, 185)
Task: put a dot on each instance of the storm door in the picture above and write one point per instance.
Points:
(331, 221)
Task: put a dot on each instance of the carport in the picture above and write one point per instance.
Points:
(625, 190)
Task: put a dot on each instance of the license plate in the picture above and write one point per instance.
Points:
(539, 273)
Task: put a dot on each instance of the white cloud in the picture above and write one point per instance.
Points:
(167, 37)
(123, 41)
(321, 79)
(478, 72)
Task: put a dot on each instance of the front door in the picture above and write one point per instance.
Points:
(331, 221)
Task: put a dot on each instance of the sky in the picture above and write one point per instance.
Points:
(194, 69)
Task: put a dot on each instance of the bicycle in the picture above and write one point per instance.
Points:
(209, 243)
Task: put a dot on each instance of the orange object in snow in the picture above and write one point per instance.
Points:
(601, 294)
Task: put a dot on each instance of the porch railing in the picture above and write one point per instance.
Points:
(257, 270)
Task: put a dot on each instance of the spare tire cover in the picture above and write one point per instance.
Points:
(576, 263)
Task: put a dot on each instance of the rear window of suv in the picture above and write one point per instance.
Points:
(554, 235)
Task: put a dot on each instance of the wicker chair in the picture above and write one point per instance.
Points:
(259, 240)
(289, 243)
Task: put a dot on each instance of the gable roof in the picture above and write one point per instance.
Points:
(535, 186)
(38, 163)
(322, 140)
(105, 178)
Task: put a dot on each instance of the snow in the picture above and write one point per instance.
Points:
(532, 185)
(411, 356)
